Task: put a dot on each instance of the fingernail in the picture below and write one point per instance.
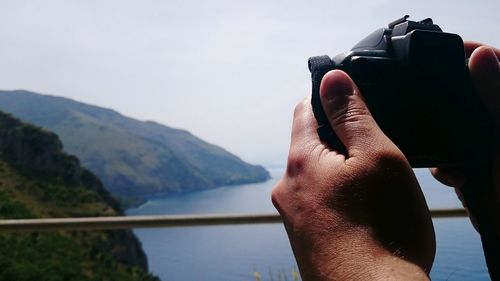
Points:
(336, 84)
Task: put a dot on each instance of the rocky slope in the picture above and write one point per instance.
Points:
(37, 179)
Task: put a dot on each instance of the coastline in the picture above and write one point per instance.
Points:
(137, 202)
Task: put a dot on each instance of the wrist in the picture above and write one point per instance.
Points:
(396, 268)
(353, 255)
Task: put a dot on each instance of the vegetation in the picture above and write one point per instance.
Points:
(60, 256)
(280, 275)
(134, 159)
(38, 180)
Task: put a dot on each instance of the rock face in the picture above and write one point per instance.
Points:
(134, 159)
(39, 153)
(37, 179)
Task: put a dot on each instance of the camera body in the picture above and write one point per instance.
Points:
(415, 81)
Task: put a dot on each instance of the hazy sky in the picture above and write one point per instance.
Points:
(230, 72)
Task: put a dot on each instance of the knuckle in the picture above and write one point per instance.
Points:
(276, 195)
(296, 163)
(299, 109)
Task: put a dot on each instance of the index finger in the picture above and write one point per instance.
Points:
(304, 135)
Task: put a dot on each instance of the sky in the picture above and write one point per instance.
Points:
(230, 72)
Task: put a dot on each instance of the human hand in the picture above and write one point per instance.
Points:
(360, 216)
(484, 70)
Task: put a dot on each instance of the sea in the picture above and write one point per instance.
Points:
(262, 252)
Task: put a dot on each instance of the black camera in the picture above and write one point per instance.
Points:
(415, 81)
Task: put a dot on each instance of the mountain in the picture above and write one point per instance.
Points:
(38, 180)
(134, 159)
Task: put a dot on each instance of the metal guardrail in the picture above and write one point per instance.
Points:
(128, 222)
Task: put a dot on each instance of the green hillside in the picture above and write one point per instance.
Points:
(38, 180)
(134, 159)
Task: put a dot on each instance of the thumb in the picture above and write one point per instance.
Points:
(348, 114)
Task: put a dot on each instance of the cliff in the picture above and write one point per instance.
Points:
(37, 179)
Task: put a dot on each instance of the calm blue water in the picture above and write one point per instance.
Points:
(234, 253)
